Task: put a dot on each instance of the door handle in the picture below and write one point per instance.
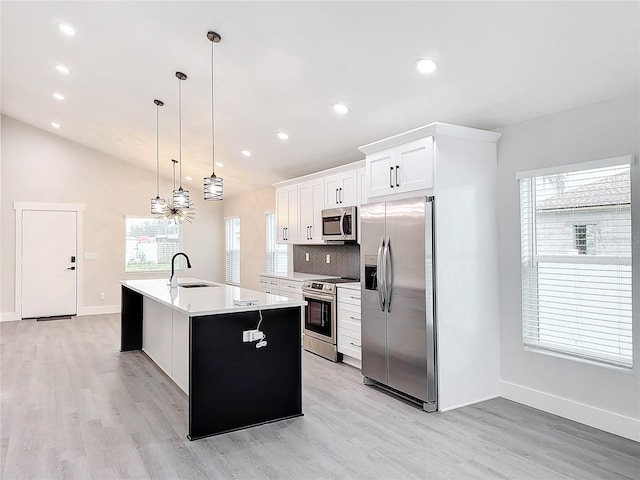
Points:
(341, 196)
(337, 201)
(310, 232)
(284, 233)
(397, 170)
(388, 282)
(379, 275)
(391, 177)
(71, 268)
(355, 345)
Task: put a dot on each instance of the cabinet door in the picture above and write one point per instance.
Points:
(311, 203)
(362, 194)
(348, 191)
(413, 169)
(381, 180)
(291, 233)
(282, 214)
(333, 184)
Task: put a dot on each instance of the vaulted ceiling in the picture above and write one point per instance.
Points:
(281, 66)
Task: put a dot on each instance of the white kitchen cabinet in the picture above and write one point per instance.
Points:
(400, 169)
(287, 214)
(341, 189)
(349, 326)
(311, 204)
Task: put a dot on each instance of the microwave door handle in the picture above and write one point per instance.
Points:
(380, 276)
(342, 223)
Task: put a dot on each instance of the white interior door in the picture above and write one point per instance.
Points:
(49, 263)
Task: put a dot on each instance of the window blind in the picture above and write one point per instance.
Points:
(232, 250)
(576, 263)
(276, 254)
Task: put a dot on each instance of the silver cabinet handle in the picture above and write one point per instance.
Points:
(353, 318)
(307, 233)
(355, 298)
(310, 232)
(391, 177)
(355, 344)
(397, 170)
(341, 196)
(337, 201)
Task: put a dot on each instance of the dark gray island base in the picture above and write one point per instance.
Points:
(233, 385)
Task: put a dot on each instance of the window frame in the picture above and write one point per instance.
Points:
(179, 266)
(229, 251)
(530, 264)
(273, 254)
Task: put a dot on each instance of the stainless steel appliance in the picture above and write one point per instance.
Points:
(398, 317)
(339, 224)
(320, 317)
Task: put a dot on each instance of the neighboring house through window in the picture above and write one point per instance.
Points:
(150, 244)
(276, 254)
(576, 261)
(232, 250)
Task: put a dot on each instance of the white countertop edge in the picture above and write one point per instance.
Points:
(298, 276)
(350, 286)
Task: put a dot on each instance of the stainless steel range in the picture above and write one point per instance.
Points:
(320, 317)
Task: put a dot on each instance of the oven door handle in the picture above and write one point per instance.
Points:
(319, 297)
(380, 277)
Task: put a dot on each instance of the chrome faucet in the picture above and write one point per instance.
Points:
(173, 282)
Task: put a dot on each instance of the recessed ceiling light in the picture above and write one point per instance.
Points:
(426, 65)
(220, 164)
(246, 153)
(283, 136)
(340, 108)
(55, 125)
(67, 29)
(187, 177)
(58, 96)
(62, 69)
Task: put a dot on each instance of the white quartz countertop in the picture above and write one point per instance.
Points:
(213, 300)
(350, 285)
(298, 276)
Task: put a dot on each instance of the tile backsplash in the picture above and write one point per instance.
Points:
(344, 260)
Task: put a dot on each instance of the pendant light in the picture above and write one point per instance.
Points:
(158, 205)
(176, 213)
(213, 184)
(180, 196)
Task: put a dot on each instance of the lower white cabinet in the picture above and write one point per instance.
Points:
(285, 287)
(349, 326)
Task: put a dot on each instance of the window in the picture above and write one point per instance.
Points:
(576, 263)
(232, 250)
(276, 254)
(150, 244)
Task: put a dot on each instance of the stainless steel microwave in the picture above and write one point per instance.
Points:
(339, 223)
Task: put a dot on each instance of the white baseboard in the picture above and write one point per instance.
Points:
(579, 412)
(453, 407)
(9, 316)
(101, 310)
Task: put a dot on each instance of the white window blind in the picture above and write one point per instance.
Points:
(232, 250)
(576, 263)
(276, 254)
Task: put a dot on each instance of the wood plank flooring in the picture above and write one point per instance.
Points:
(73, 406)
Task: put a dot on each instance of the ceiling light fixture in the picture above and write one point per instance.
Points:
(176, 213)
(426, 65)
(158, 205)
(180, 196)
(283, 136)
(67, 29)
(246, 153)
(340, 108)
(62, 69)
(213, 185)
(58, 96)
(55, 125)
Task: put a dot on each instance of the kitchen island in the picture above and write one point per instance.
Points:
(194, 333)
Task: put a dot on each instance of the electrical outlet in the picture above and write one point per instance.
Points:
(306, 256)
(328, 258)
(252, 335)
(102, 296)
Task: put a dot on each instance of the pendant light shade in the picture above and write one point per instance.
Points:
(213, 185)
(176, 213)
(180, 196)
(158, 205)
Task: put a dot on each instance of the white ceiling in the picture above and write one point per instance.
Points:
(281, 65)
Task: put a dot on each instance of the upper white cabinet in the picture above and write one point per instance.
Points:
(403, 168)
(287, 214)
(311, 203)
(341, 189)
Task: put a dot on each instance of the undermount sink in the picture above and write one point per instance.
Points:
(196, 285)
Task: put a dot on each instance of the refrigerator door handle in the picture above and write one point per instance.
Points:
(388, 269)
(380, 276)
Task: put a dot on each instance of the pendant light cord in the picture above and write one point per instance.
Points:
(180, 99)
(157, 155)
(213, 145)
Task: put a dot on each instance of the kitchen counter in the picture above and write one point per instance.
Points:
(197, 337)
(350, 285)
(212, 300)
(298, 276)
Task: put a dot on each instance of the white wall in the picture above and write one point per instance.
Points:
(251, 207)
(38, 166)
(599, 396)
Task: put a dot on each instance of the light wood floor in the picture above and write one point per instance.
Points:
(74, 407)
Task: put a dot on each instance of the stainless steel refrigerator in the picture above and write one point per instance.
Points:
(398, 316)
